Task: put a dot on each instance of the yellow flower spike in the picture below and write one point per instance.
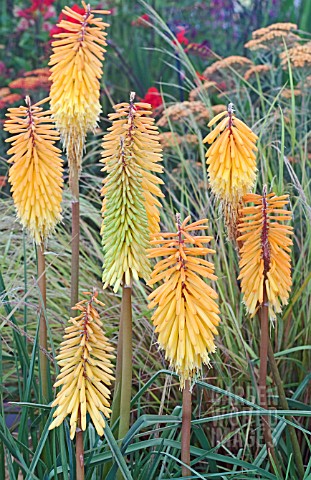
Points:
(36, 168)
(186, 316)
(231, 163)
(265, 251)
(86, 370)
(131, 152)
(76, 69)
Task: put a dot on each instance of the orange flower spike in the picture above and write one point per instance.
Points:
(265, 252)
(231, 163)
(186, 316)
(36, 168)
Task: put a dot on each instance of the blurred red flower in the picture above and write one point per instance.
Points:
(180, 35)
(153, 96)
(28, 16)
(222, 85)
(142, 21)
(63, 16)
(41, 6)
(200, 76)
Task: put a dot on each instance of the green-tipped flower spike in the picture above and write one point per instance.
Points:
(130, 205)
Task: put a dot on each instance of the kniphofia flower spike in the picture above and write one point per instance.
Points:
(265, 253)
(76, 71)
(131, 152)
(86, 370)
(36, 168)
(231, 163)
(186, 314)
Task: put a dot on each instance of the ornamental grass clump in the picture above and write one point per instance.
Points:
(231, 163)
(76, 70)
(36, 168)
(265, 262)
(85, 370)
(131, 152)
(186, 314)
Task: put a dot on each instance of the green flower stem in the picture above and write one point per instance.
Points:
(284, 406)
(186, 428)
(127, 360)
(75, 234)
(117, 393)
(117, 386)
(44, 366)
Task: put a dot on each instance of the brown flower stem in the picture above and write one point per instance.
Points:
(186, 428)
(284, 406)
(264, 340)
(75, 248)
(79, 455)
(44, 366)
(264, 329)
(127, 360)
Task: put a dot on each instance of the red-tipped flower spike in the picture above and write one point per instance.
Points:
(265, 252)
